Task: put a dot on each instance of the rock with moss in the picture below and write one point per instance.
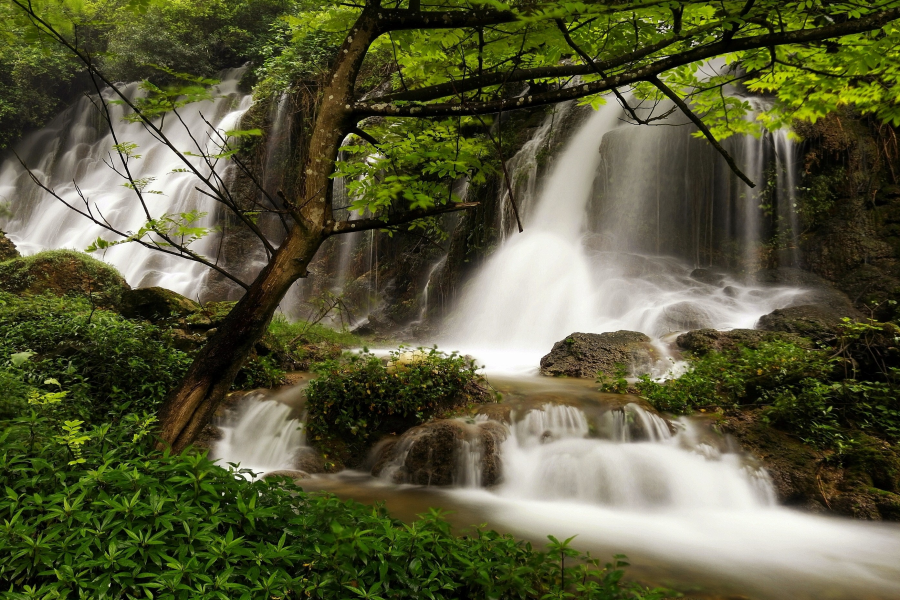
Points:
(702, 341)
(64, 273)
(158, 305)
(8, 250)
(587, 354)
(813, 321)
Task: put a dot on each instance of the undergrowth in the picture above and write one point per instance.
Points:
(95, 512)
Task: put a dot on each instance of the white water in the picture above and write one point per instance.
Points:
(551, 280)
(263, 436)
(73, 147)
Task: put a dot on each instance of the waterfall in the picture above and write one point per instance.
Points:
(551, 455)
(612, 240)
(263, 435)
(74, 146)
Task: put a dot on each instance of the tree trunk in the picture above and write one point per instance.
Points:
(190, 406)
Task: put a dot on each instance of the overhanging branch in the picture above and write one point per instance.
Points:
(671, 95)
(400, 218)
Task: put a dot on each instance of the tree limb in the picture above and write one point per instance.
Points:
(384, 107)
(400, 218)
(671, 95)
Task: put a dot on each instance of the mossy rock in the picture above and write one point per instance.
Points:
(702, 341)
(64, 273)
(8, 250)
(158, 305)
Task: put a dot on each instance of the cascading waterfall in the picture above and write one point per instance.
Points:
(550, 455)
(74, 146)
(588, 260)
(264, 435)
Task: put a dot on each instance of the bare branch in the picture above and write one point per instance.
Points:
(671, 95)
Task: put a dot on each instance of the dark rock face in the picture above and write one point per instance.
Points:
(64, 273)
(7, 248)
(437, 453)
(813, 321)
(586, 354)
(864, 484)
(702, 341)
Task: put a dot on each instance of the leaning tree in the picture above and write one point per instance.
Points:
(420, 85)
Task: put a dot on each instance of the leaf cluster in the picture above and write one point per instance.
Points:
(361, 397)
(124, 521)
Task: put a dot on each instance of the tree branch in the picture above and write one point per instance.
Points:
(400, 218)
(384, 107)
(671, 95)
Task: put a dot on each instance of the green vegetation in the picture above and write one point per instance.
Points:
(93, 511)
(304, 332)
(360, 397)
(803, 390)
(108, 364)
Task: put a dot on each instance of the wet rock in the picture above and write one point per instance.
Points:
(861, 483)
(708, 277)
(289, 473)
(8, 250)
(682, 316)
(309, 461)
(702, 341)
(819, 323)
(158, 305)
(586, 354)
(444, 452)
(64, 273)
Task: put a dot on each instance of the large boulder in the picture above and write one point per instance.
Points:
(157, 305)
(587, 354)
(444, 452)
(7, 248)
(703, 341)
(64, 273)
(817, 322)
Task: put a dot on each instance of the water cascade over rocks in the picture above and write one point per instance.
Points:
(74, 146)
(613, 240)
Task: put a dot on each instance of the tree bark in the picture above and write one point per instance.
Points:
(191, 405)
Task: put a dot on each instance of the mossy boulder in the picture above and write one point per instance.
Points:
(816, 322)
(586, 354)
(7, 248)
(158, 305)
(703, 341)
(64, 273)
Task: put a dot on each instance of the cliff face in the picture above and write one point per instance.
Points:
(849, 208)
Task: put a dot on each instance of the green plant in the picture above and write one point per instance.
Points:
(361, 397)
(617, 384)
(125, 521)
(109, 365)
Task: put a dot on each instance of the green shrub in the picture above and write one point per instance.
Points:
(291, 333)
(109, 365)
(361, 398)
(95, 513)
(801, 390)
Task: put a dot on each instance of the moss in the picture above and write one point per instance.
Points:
(63, 273)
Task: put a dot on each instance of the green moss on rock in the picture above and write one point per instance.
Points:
(63, 273)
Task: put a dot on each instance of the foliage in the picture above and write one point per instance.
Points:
(293, 332)
(801, 389)
(94, 512)
(259, 372)
(109, 365)
(359, 397)
(617, 384)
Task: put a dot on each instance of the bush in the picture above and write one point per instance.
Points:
(801, 390)
(98, 514)
(361, 398)
(109, 365)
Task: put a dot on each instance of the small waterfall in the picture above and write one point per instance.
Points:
(263, 435)
(73, 147)
(641, 464)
